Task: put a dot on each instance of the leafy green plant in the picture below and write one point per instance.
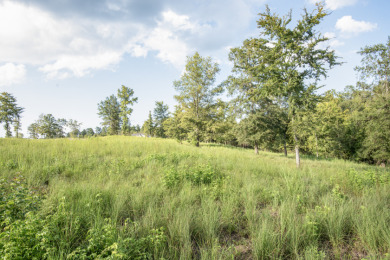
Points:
(202, 175)
(172, 178)
(19, 222)
(16, 200)
(367, 179)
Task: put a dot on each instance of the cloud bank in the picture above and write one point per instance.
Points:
(74, 38)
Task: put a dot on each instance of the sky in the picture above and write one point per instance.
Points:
(65, 56)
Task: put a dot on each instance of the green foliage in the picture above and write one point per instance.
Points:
(375, 65)
(103, 242)
(16, 200)
(174, 128)
(172, 178)
(160, 115)
(74, 127)
(285, 62)
(47, 126)
(27, 235)
(149, 126)
(370, 179)
(196, 96)
(10, 113)
(126, 99)
(202, 175)
(265, 126)
(19, 223)
(199, 175)
(109, 111)
(377, 128)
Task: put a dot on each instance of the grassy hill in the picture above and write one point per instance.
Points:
(137, 198)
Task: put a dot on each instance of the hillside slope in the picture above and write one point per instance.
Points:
(130, 197)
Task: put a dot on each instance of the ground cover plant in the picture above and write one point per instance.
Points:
(147, 198)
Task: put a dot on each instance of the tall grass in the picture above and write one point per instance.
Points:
(175, 201)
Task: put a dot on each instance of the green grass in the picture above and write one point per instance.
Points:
(128, 197)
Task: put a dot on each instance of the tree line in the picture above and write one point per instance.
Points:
(274, 101)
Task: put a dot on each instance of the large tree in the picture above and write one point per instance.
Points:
(10, 113)
(285, 62)
(197, 95)
(109, 111)
(126, 100)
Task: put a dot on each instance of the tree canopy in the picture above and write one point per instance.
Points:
(197, 95)
(285, 62)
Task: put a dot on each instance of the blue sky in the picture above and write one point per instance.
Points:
(63, 57)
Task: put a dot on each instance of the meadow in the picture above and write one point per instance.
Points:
(147, 198)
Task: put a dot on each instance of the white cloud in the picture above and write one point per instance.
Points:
(58, 47)
(80, 65)
(166, 38)
(63, 46)
(336, 4)
(349, 26)
(12, 74)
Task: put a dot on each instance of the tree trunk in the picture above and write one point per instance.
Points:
(297, 158)
(316, 145)
(7, 129)
(256, 149)
(285, 148)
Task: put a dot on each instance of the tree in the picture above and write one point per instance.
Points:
(47, 126)
(89, 132)
(33, 130)
(376, 145)
(173, 125)
(220, 128)
(109, 111)
(149, 126)
(74, 127)
(160, 114)
(10, 113)
(126, 98)
(135, 129)
(285, 63)
(18, 124)
(196, 95)
(324, 128)
(254, 130)
(375, 73)
(376, 65)
(98, 130)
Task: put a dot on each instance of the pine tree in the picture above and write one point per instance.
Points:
(10, 113)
